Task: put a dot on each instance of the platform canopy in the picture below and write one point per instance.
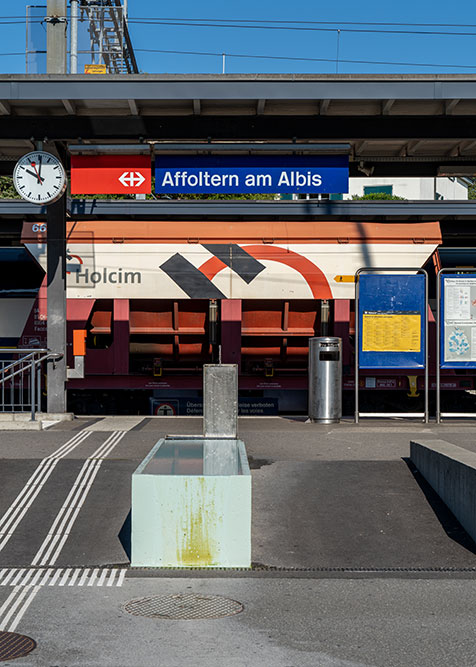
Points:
(409, 125)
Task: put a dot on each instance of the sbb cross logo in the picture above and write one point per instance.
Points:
(131, 178)
(110, 174)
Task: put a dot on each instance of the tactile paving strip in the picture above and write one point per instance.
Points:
(183, 606)
(13, 645)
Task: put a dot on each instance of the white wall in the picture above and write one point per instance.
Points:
(413, 188)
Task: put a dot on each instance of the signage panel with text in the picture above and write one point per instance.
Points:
(251, 174)
(458, 324)
(392, 321)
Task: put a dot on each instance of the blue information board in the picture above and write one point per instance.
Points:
(457, 320)
(392, 321)
(251, 174)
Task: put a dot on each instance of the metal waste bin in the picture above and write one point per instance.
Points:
(325, 379)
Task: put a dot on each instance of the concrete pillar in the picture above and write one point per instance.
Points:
(56, 304)
(220, 400)
(56, 30)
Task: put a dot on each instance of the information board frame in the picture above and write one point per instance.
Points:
(440, 340)
(404, 271)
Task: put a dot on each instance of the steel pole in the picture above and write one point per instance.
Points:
(32, 388)
(74, 37)
(56, 304)
(438, 352)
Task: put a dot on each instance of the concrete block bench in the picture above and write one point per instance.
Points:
(451, 472)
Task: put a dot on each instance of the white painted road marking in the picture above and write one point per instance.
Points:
(23, 609)
(25, 591)
(20, 506)
(60, 530)
(32, 577)
(115, 424)
(23, 594)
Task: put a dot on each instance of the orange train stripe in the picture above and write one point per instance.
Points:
(257, 231)
(310, 272)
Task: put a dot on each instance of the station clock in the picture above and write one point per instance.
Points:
(39, 177)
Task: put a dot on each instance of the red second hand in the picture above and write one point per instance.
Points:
(40, 180)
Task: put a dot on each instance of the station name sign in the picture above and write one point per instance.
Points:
(251, 174)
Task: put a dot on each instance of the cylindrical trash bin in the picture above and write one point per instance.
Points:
(325, 379)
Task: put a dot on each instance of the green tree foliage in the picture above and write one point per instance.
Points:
(472, 189)
(7, 189)
(378, 196)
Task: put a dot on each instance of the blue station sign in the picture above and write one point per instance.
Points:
(251, 174)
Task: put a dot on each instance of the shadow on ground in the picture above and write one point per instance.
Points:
(445, 516)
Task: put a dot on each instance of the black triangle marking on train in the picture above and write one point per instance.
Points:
(242, 263)
(190, 279)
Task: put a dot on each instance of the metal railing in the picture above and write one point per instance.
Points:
(21, 379)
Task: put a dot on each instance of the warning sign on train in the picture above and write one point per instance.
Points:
(391, 332)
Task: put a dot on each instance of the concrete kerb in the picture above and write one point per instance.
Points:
(21, 421)
(451, 472)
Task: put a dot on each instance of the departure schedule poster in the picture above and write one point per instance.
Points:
(458, 331)
(392, 321)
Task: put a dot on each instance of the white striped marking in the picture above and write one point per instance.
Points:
(64, 577)
(17, 510)
(20, 578)
(60, 530)
(14, 601)
(23, 609)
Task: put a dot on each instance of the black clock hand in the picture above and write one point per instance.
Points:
(40, 160)
(37, 176)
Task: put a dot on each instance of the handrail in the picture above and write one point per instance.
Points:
(16, 362)
(17, 350)
(30, 360)
(22, 370)
(31, 355)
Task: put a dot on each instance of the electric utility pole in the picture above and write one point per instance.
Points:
(56, 29)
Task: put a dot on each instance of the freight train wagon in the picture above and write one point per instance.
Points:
(157, 300)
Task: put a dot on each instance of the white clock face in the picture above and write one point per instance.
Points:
(39, 177)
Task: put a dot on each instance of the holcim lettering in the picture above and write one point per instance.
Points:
(107, 276)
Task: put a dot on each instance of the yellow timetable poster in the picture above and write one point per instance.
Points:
(391, 332)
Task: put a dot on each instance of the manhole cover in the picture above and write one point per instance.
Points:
(183, 606)
(14, 646)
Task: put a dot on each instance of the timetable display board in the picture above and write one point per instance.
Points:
(458, 321)
(392, 321)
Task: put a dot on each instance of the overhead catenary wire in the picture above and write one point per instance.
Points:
(291, 58)
(224, 23)
(300, 28)
(267, 24)
(330, 60)
(288, 21)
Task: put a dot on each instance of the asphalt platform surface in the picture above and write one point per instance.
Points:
(356, 561)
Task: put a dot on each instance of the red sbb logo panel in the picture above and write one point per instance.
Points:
(110, 175)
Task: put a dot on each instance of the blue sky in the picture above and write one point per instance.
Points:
(437, 49)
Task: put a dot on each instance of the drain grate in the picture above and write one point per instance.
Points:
(183, 606)
(13, 645)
